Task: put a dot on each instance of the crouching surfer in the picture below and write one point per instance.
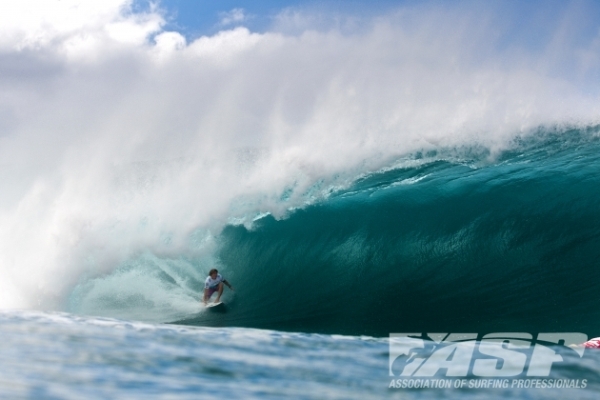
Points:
(214, 283)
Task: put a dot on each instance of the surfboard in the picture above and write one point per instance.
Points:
(210, 305)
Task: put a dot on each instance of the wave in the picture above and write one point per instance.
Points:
(448, 240)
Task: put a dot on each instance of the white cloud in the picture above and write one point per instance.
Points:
(167, 42)
(27, 24)
(233, 17)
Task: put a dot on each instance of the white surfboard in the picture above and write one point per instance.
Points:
(214, 304)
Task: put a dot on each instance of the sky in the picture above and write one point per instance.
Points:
(201, 17)
(529, 25)
(529, 20)
(130, 127)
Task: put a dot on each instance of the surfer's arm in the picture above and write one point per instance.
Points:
(228, 284)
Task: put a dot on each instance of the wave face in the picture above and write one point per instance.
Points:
(445, 241)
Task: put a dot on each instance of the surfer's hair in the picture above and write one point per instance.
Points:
(213, 271)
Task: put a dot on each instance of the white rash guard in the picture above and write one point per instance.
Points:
(211, 283)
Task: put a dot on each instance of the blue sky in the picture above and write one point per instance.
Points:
(195, 18)
(530, 24)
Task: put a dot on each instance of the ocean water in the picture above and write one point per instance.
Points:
(62, 356)
(57, 355)
(451, 240)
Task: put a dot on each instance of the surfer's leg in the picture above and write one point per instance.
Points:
(219, 293)
(208, 294)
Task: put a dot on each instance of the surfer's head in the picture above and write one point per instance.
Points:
(213, 273)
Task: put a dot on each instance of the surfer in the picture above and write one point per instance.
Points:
(214, 283)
